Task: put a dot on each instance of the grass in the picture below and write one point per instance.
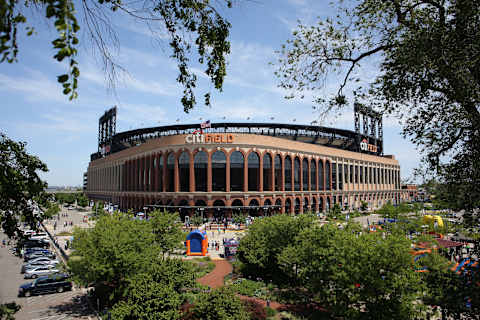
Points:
(64, 233)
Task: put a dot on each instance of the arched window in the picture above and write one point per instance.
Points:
(321, 183)
(219, 171)
(171, 173)
(200, 165)
(305, 175)
(314, 205)
(160, 173)
(184, 171)
(267, 172)
(236, 171)
(313, 176)
(296, 175)
(253, 172)
(288, 173)
(327, 175)
(278, 173)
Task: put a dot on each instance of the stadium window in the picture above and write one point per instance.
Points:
(219, 171)
(236, 171)
(200, 168)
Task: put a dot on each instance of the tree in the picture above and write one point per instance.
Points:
(265, 240)
(449, 290)
(7, 310)
(156, 292)
(115, 249)
(52, 210)
(82, 201)
(19, 184)
(388, 211)
(363, 206)
(219, 304)
(196, 220)
(168, 231)
(356, 276)
(429, 75)
(186, 23)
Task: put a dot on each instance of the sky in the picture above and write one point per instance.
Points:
(63, 134)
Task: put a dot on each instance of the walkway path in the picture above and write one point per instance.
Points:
(215, 278)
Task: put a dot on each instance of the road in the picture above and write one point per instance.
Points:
(59, 306)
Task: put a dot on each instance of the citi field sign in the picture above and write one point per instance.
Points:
(365, 146)
(198, 137)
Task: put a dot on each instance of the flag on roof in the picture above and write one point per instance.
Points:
(205, 124)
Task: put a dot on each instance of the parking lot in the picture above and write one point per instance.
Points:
(58, 306)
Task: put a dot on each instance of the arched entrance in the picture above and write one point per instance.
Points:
(297, 205)
(278, 205)
(219, 211)
(237, 205)
(306, 209)
(288, 206)
(314, 205)
(267, 209)
(254, 209)
(183, 212)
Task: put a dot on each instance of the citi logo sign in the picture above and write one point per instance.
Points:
(197, 137)
(365, 146)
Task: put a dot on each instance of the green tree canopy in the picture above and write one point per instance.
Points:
(194, 29)
(19, 185)
(265, 240)
(168, 232)
(115, 249)
(367, 276)
(219, 304)
(428, 52)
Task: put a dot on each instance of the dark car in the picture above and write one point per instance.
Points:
(36, 249)
(48, 284)
(36, 243)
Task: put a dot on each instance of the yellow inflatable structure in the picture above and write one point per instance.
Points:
(432, 219)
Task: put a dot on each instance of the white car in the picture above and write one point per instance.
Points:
(40, 271)
(39, 236)
(44, 259)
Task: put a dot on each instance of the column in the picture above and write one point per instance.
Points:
(260, 184)
(245, 173)
(227, 172)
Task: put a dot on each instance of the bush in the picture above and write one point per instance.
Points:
(270, 312)
(255, 309)
(248, 287)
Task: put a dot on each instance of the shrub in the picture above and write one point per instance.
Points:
(255, 309)
(247, 287)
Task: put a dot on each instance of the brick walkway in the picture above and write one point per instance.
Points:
(215, 278)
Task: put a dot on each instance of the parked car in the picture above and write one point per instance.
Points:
(31, 265)
(42, 243)
(36, 249)
(40, 271)
(44, 259)
(39, 236)
(37, 254)
(47, 284)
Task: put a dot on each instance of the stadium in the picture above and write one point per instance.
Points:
(258, 168)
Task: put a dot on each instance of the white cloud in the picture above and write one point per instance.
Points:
(35, 86)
